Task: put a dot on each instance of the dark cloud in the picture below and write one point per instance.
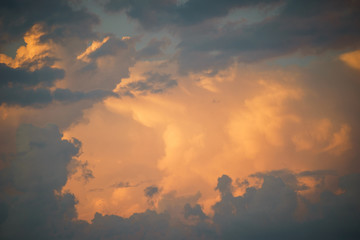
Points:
(30, 200)
(269, 212)
(308, 28)
(160, 13)
(45, 76)
(286, 176)
(147, 225)
(39, 168)
(86, 173)
(59, 17)
(40, 97)
(154, 48)
(104, 67)
(195, 211)
(25, 97)
(316, 173)
(68, 96)
(151, 191)
(154, 83)
(224, 185)
(122, 185)
(19, 86)
(110, 47)
(243, 183)
(125, 185)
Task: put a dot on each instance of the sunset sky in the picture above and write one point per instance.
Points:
(179, 119)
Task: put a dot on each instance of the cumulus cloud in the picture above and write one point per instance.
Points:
(41, 168)
(164, 120)
(36, 176)
(269, 212)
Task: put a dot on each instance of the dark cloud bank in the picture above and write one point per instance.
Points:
(60, 18)
(32, 207)
(19, 86)
(308, 27)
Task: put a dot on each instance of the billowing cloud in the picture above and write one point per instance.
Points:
(275, 209)
(35, 178)
(179, 119)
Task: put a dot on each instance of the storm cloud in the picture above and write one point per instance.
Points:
(179, 119)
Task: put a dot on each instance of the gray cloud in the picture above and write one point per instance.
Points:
(151, 191)
(196, 211)
(41, 166)
(328, 25)
(38, 169)
(59, 17)
(154, 48)
(309, 28)
(18, 96)
(66, 95)
(154, 83)
(45, 76)
(126, 185)
(161, 13)
(110, 47)
(19, 86)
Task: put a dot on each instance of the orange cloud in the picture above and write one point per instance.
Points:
(34, 51)
(183, 140)
(92, 48)
(352, 59)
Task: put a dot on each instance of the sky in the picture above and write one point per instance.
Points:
(179, 119)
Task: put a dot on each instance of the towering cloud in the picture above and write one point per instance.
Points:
(179, 119)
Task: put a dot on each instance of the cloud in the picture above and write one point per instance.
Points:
(329, 25)
(154, 83)
(43, 164)
(151, 191)
(60, 19)
(27, 79)
(123, 185)
(68, 96)
(36, 176)
(108, 46)
(270, 212)
(162, 13)
(209, 39)
(352, 59)
(22, 77)
(102, 64)
(154, 48)
(280, 141)
(23, 87)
